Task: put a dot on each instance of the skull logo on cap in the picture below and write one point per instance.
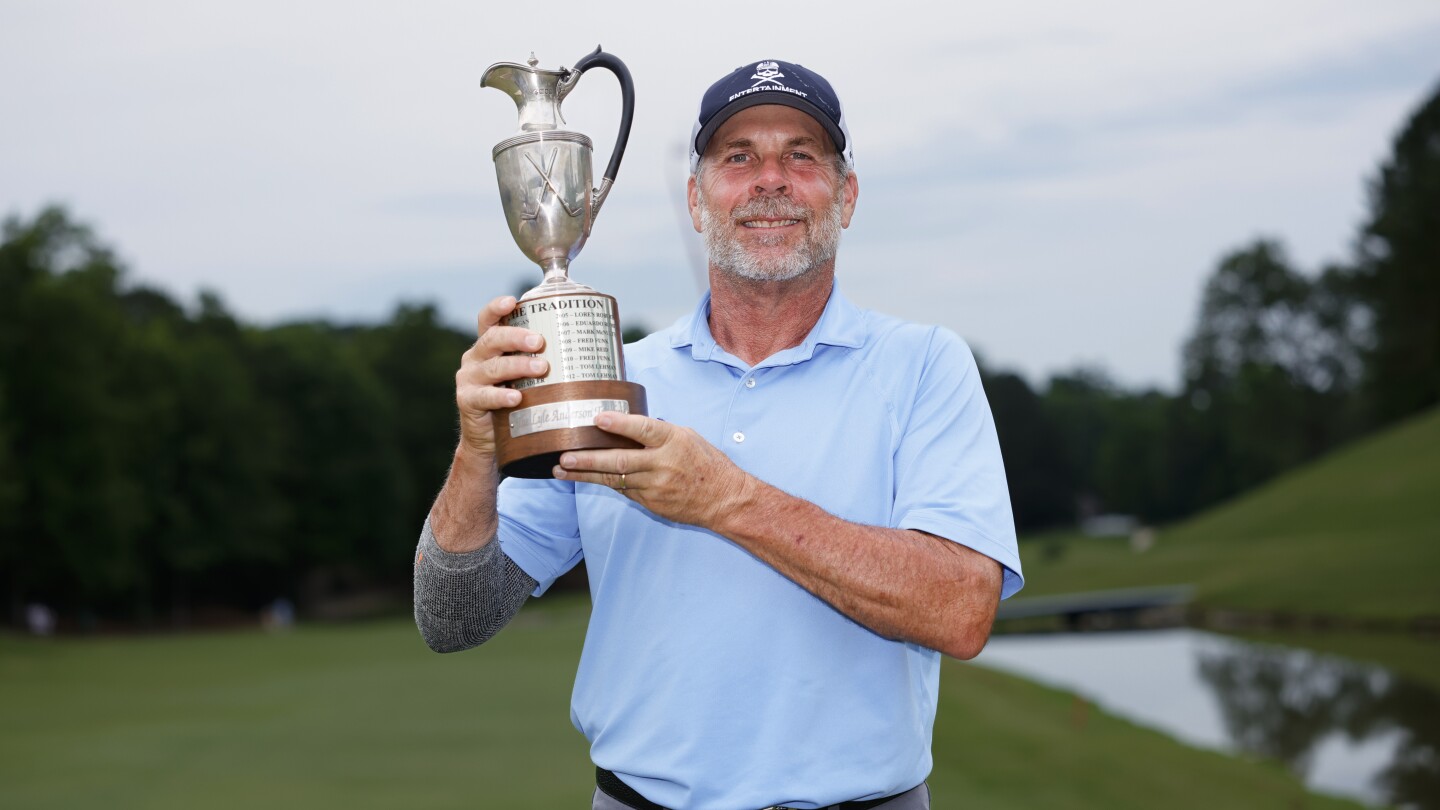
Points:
(767, 72)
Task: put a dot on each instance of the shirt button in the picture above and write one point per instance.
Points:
(738, 437)
(749, 382)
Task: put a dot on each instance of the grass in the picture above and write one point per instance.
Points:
(364, 716)
(1354, 535)
(355, 716)
(1004, 742)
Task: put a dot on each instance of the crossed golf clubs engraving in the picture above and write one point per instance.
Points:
(548, 186)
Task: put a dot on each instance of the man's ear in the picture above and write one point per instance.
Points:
(852, 193)
(692, 195)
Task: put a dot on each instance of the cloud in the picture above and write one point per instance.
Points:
(1055, 177)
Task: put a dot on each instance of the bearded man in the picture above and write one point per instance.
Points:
(818, 511)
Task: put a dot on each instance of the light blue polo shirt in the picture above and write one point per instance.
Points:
(708, 680)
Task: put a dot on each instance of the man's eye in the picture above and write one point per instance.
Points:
(739, 157)
(800, 156)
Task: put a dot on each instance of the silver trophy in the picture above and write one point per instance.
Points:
(545, 174)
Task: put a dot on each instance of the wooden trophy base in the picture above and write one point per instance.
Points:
(534, 452)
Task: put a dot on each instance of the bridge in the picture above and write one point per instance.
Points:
(1122, 607)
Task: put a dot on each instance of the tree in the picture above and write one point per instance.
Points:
(1258, 311)
(1270, 373)
(1041, 486)
(414, 358)
(12, 495)
(342, 477)
(62, 343)
(1112, 442)
(209, 459)
(1399, 270)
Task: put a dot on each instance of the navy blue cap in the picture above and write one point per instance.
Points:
(770, 82)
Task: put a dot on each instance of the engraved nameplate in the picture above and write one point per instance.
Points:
(564, 414)
(581, 342)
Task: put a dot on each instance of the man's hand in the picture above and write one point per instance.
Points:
(484, 367)
(677, 474)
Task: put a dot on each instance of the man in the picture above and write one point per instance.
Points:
(817, 513)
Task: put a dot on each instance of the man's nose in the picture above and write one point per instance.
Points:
(771, 178)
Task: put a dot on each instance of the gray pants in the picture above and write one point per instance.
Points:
(915, 799)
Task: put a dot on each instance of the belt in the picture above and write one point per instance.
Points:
(628, 796)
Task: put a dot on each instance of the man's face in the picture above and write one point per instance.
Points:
(768, 198)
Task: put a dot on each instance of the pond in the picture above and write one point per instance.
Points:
(1346, 728)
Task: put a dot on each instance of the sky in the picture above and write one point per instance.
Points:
(1053, 181)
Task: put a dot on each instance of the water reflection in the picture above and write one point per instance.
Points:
(1285, 704)
(1343, 727)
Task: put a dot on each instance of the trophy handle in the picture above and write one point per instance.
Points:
(610, 62)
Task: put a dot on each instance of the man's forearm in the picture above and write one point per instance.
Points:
(900, 583)
(464, 516)
(462, 600)
(466, 588)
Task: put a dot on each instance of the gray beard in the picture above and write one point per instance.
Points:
(729, 255)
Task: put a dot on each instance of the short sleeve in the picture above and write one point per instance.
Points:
(950, 478)
(539, 528)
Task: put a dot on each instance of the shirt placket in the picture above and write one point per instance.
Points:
(740, 429)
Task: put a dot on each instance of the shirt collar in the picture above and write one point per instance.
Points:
(841, 324)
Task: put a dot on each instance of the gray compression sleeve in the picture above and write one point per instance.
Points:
(461, 600)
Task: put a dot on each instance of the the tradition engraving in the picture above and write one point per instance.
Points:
(580, 338)
(573, 413)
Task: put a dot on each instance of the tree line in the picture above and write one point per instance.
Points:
(160, 458)
(155, 457)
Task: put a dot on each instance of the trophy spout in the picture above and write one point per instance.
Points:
(537, 93)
